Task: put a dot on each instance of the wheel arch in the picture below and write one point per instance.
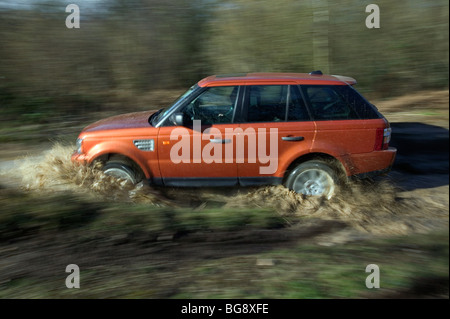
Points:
(332, 161)
(106, 157)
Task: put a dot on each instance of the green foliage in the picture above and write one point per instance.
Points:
(23, 214)
(260, 36)
(154, 221)
(130, 47)
(410, 266)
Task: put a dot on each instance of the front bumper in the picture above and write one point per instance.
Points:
(79, 158)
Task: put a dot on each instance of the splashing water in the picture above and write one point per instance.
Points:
(54, 171)
(374, 207)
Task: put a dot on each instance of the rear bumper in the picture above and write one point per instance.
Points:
(374, 163)
(373, 173)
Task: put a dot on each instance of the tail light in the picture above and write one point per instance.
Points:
(382, 139)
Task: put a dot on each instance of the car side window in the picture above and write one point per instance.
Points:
(327, 103)
(364, 109)
(275, 103)
(267, 103)
(213, 106)
(297, 110)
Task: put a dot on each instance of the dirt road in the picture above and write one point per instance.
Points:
(412, 199)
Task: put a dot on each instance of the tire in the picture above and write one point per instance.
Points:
(313, 178)
(122, 170)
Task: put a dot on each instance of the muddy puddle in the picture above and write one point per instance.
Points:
(372, 207)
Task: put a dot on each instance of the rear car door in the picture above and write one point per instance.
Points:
(347, 125)
(276, 129)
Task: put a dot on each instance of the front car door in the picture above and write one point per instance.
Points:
(200, 153)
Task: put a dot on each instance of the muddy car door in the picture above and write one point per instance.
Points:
(276, 129)
(200, 151)
(347, 125)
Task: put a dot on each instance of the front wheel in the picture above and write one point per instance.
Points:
(313, 178)
(122, 170)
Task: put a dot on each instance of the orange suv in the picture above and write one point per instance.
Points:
(306, 131)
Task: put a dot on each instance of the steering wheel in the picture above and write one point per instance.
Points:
(228, 114)
(329, 105)
(192, 110)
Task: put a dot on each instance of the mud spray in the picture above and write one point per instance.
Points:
(368, 207)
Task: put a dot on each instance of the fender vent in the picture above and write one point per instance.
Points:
(145, 145)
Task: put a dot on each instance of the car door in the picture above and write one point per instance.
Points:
(347, 125)
(200, 153)
(276, 129)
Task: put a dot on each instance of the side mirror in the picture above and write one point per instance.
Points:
(177, 119)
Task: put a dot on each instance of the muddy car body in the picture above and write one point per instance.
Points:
(306, 131)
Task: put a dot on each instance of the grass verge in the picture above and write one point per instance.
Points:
(132, 251)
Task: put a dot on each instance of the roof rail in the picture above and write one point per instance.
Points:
(231, 75)
(317, 72)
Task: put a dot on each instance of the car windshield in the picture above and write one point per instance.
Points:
(162, 112)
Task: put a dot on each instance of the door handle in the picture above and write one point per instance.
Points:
(292, 138)
(219, 140)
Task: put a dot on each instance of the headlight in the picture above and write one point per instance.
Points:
(79, 145)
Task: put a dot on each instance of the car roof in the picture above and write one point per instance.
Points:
(275, 78)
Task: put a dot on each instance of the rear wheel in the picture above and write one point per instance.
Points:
(313, 178)
(122, 170)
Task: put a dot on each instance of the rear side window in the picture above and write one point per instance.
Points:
(275, 103)
(364, 109)
(267, 103)
(337, 102)
(297, 110)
